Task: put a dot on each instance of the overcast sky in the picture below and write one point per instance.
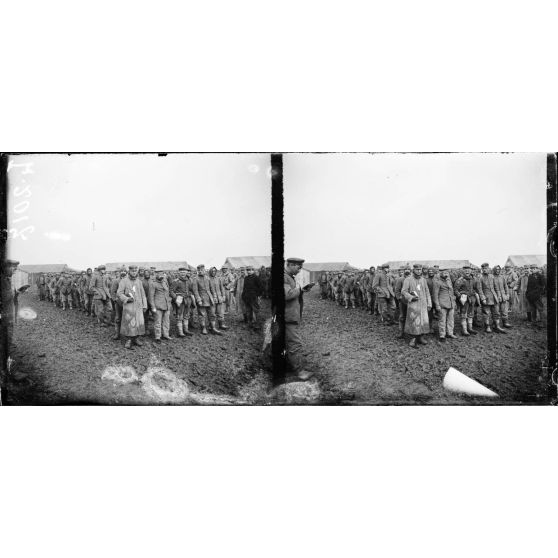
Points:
(367, 209)
(91, 209)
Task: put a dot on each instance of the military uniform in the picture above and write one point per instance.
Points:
(467, 292)
(536, 286)
(502, 292)
(385, 295)
(252, 289)
(444, 301)
(220, 298)
(159, 301)
(205, 302)
(489, 301)
(293, 339)
(101, 296)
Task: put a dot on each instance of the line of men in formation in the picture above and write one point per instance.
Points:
(131, 296)
(413, 297)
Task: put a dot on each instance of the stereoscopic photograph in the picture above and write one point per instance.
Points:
(399, 279)
(136, 279)
(424, 276)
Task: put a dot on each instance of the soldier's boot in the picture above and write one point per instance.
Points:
(401, 331)
(464, 330)
(507, 323)
(63, 305)
(185, 328)
(128, 344)
(498, 327)
(136, 341)
(71, 305)
(214, 329)
(222, 325)
(245, 318)
(413, 343)
(202, 325)
(529, 317)
(346, 305)
(353, 304)
(179, 327)
(422, 340)
(487, 327)
(116, 335)
(470, 327)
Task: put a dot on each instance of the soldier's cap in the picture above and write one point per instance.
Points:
(439, 268)
(201, 266)
(132, 267)
(385, 266)
(12, 262)
(182, 269)
(249, 267)
(102, 267)
(417, 266)
(153, 267)
(224, 267)
(298, 261)
(466, 267)
(485, 265)
(140, 268)
(533, 266)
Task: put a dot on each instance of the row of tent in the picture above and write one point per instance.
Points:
(27, 274)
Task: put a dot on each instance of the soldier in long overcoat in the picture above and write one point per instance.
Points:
(134, 303)
(416, 293)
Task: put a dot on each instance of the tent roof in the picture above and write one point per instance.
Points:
(166, 266)
(538, 260)
(327, 266)
(449, 264)
(243, 261)
(44, 268)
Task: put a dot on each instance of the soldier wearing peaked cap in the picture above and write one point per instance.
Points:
(293, 296)
(416, 294)
(385, 295)
(101, 296)
(489, 300)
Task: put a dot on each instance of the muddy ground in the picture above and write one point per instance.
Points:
(359, 360)
(60, 357)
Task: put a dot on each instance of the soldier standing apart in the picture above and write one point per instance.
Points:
(219, 296)
(251, 292)
(385, 294)
(160, 303)
(323, 285)
(415, 292)
(444, 301)
(293, 340)
(134, 302)
(501, 288)
(101, 296)
(205, 301)
(466, 289)
(536, 285)
(181, 293)
(489, 299)
(117, 303)
(402, 302)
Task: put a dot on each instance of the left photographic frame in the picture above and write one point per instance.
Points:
(136, 279)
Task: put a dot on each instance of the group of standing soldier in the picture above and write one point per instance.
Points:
(416, 296)
(133, 295)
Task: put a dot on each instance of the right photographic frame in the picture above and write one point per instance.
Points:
(421, 278)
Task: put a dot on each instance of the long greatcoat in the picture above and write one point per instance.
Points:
(417, 311)
(132, 323)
